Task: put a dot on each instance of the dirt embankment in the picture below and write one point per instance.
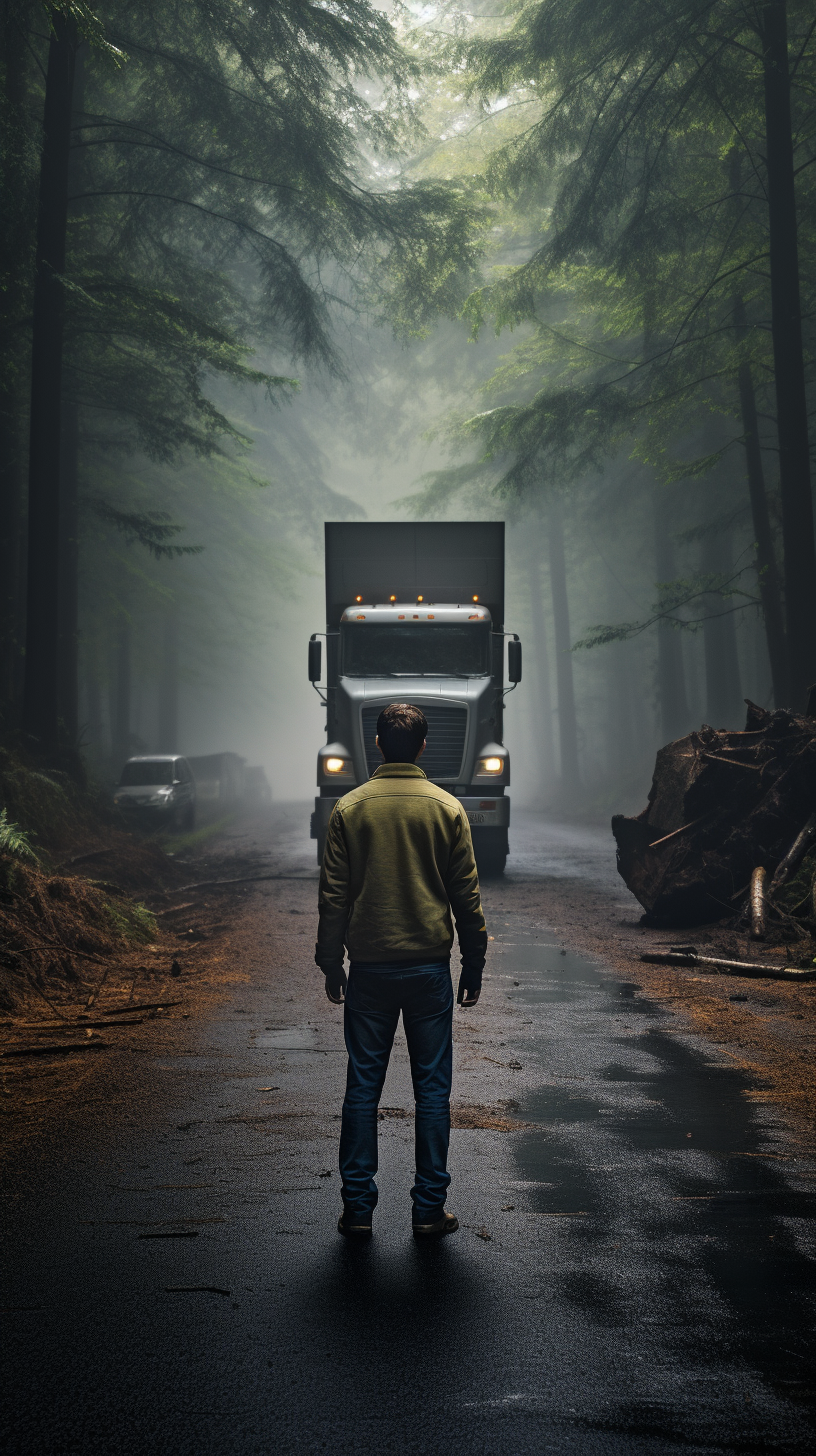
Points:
(95, 952)
(73, 886)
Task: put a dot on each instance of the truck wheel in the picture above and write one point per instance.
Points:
(491, 849)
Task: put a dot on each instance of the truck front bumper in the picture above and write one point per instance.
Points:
(487, 813)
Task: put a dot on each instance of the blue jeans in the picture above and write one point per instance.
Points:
(374, 999)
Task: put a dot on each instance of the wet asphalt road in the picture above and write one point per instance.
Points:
(634, 1272)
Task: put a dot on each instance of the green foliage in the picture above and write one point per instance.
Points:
(622, 154)
(430, 271)
(143, 359)
(704, 593)
(249, 137)
(644, 173)
(88, 24)
(232, 193)
(153, 529)
(13, 841)
(132, 921)
(230, 187)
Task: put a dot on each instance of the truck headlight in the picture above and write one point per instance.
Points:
(491, 765)
(334, 765)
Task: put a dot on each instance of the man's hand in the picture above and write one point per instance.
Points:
(336, 983)
(470, 987)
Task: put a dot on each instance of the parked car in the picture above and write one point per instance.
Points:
(159, 788)
(257, 788)
(219, 780)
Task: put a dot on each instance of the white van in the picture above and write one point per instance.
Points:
(160, 787)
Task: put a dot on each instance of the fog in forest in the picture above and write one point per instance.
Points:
(242, 624)
(505, 313)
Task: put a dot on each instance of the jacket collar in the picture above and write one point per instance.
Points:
(399, 771)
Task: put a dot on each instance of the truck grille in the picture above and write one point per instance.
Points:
(442, 759)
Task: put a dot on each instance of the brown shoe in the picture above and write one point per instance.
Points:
(353, 1226)
(447, 1223)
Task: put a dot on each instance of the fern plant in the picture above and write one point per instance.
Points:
(133, 922)
(14, 841)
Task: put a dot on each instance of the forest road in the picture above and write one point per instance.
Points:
(634, 1271)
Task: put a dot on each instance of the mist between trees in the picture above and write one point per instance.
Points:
(266, 267)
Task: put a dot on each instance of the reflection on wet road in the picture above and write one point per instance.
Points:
(681, 1227)
(634, 1271)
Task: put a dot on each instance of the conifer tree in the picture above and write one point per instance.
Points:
(623, 165)
(226, 189)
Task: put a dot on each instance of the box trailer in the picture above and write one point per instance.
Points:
(415, 613)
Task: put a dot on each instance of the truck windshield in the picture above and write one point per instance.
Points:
(149, 771)
(418, 650)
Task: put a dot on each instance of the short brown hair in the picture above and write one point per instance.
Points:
(402, 730)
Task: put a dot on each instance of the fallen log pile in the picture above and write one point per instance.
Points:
(730, 827)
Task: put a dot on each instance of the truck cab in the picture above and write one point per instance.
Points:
(446, 656)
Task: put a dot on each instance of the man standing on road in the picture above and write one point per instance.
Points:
(398, 860)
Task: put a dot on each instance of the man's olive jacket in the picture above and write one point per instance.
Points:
(398, 859)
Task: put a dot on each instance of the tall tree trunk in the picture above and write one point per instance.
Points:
(16, 232)
(723, 693)
(543, 737)
(41, 697)
(168, 684)
(623, 725)
(762, 689)
(120, 703)
(671, 677)
(789, 367)
(770, 591)
(68, 669)
(93, 695)
(567, 719)
(11, 531)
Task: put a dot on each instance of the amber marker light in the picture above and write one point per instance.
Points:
(392, 599)
(490, 765)
(358, 599)
(334, 765)
(475, 599)
(420, 599)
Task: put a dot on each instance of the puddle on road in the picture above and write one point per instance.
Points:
(546, 972)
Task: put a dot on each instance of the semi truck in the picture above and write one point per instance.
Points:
(415, 613)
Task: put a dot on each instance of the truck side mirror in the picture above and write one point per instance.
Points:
(514, 660)
(315, 659)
